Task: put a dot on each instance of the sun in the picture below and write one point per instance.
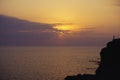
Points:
(64, 31)
(65, 27)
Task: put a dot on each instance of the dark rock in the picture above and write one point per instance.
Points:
(81, 77)
(110, 61)
(109, 67)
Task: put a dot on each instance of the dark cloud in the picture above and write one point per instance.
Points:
(17, 32)
(15, 24)
(116, 2)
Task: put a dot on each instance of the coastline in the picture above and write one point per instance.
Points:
(109, 66)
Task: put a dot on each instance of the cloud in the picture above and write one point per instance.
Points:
(14, 24)
(117, 2)
(17, 32)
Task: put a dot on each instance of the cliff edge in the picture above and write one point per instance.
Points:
(109, 67)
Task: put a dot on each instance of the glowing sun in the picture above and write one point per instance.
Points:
(64, 31)
(65, 27)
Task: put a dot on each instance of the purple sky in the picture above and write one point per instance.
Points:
(17, 32)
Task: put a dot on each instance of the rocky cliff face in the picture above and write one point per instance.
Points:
(109, 67)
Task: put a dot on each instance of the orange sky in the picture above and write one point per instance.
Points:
(82, 12)
(68, 15)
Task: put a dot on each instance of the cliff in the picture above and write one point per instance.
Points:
(109, 67)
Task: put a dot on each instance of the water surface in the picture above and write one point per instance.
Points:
(46, 63)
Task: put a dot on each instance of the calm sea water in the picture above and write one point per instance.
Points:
(46, 63)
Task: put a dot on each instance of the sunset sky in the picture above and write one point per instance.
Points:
(59, 22)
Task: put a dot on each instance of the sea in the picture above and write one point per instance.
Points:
(47, 63)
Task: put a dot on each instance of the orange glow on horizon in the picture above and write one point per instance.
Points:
(65, 31)
(66, 27)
